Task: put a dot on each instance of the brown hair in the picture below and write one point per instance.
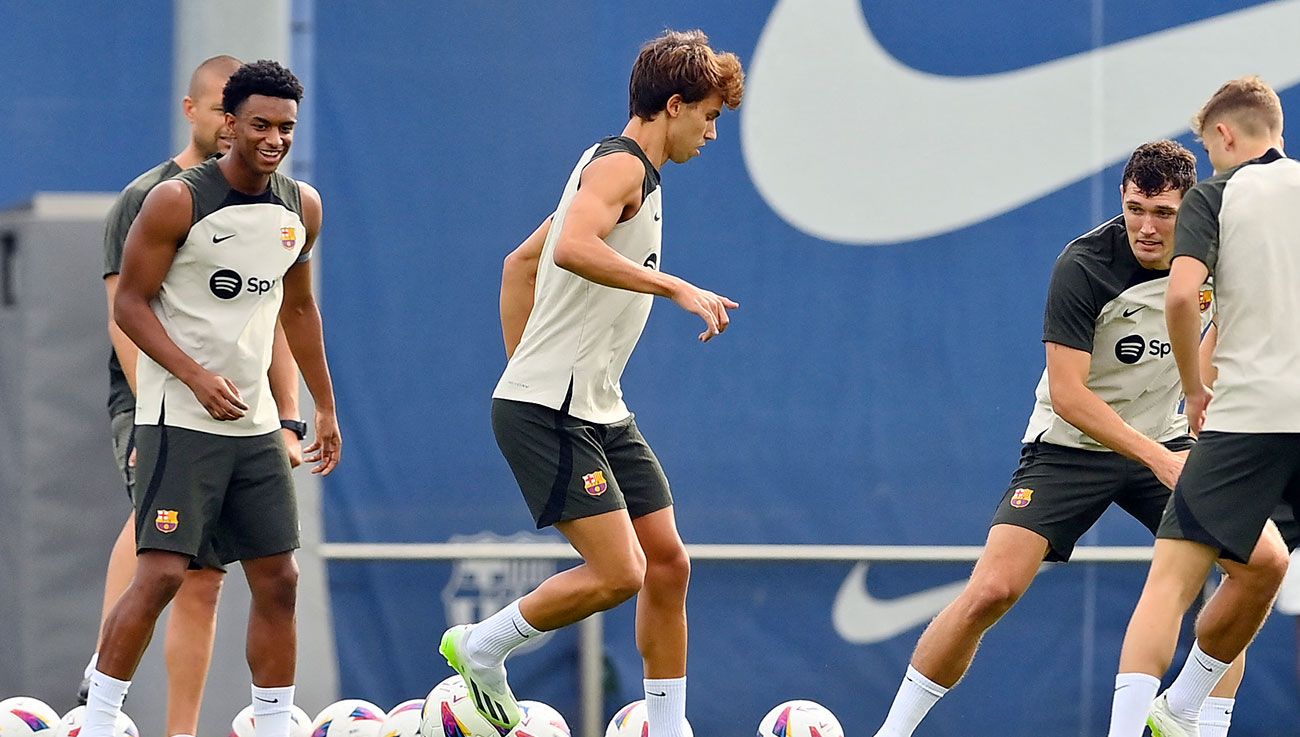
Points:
(1160, 165)
(1251, 104)
(681, 63)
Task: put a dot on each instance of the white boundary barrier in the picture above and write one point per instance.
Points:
(591, 654)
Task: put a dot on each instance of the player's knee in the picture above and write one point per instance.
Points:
(158, 586)
(990, 599)
(671, 570)
(201, 590)
(1268, 566)
(277, 586)
(623, 583)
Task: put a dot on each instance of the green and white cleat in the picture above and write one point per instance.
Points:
(1164, 723)
(487, 686)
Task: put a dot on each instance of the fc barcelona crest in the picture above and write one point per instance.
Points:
(594, 483)
(1020, 498)
(1207, 296)
(289, 237)
(168, 520)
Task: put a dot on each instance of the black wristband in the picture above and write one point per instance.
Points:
(298, 427)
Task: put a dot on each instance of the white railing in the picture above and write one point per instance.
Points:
(591, 654)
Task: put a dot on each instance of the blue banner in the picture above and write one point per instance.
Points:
(886, 207)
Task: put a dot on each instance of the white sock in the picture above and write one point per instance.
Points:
(665, 707)
(1216, 716)
(490, 641)
(272, 711)
(1199, 676)
(1134, 693)
(90, 667)
(103, 705)
(915, 697)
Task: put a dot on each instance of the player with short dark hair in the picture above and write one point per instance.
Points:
(192, 626)
(1105, 428)
(216, 254)
(1241, 226)
(575, 297)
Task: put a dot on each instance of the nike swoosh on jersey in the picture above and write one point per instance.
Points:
(862, 619)
(876, 152)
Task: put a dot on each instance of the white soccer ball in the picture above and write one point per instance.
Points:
(403, 720)
(800, 719)
(70, 725)
(24, 716)
(242, 724)
(449, 712)
(630, 721)
(448, 688)
(348, 718)
(540, 720)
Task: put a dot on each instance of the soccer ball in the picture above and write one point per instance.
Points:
(70, 725)
(451, 686)
(404, 720)
(348, 718)
(23, 716)
(800, 719)
(450, 712)
(540, 720)
(242, 724)
(630, 721)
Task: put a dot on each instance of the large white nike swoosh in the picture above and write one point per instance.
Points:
(862, 619)
(847, 144)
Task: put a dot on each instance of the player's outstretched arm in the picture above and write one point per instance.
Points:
(610, 192)
(1183, 318)
(1074, 402)
(519, 285)
(151, 244)
(302, 328)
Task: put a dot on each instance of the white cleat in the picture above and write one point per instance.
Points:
(1164, 723)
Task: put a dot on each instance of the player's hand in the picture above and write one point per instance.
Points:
(1195, 409)
(219, 396)
(327, 447)
(1169, 466)
(293, 445)
(712, 308)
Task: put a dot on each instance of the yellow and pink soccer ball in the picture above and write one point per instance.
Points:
(403, 720)
(348, 718)
(70, 725)
(242, 724)
(800, 719)
(540, 720)
(24, 716)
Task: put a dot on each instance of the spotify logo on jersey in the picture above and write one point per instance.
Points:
(1129, 349)
(225, 284)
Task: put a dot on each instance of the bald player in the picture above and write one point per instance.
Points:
(192, 626)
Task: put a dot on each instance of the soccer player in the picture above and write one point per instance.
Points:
(192, 625)
(575, 296)
(1243, 227)
(1105, 428)
(214, 256)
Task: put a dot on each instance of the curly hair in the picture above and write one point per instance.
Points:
(1160, 165)
(262, 77)
(681, 63)
(1249, 101)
